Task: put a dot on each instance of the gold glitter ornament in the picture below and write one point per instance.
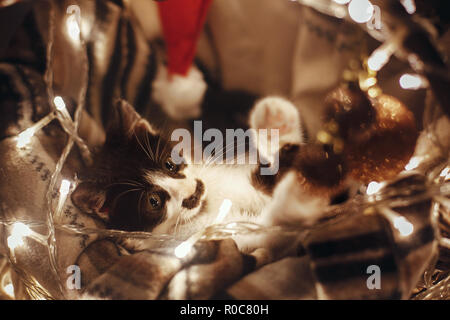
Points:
(348, 111)
(382, 150)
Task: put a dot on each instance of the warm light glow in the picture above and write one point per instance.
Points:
(65, 187)
(14, 242)
(24, 138)
(369, 82)
(412, 81)
(19, 231)
(361, 11)
(445, 173)
(413, 163)
(403, 226)
(73, 29)
(7, 285)
(342, 1)
(9, 290)
(59, 103)
(63, 192)
(378, 59)
(183, 249)
(409, 5)
(232, 225)
(373, 188)
(7, 3)
(324, 137)
(374, 92)
(223, 211)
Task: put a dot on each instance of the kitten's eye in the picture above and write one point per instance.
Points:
(155, 201)
(170, 166)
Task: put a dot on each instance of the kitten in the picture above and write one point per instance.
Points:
(135, 185)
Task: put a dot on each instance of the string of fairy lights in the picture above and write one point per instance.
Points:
(359, 11)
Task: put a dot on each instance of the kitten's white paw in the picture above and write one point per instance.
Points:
(277, 113)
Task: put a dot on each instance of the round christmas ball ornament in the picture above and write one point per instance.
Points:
(348, 111)
(382, 150)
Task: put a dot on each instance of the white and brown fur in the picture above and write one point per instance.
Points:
(134, 185)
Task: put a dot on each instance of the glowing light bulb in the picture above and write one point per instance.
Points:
(373, 188)
(7, 285)
(21, 229)
(409, 5)
(374, 92)
(65, 187)
(183, 249)
(445, 174)
(59, 103)
(361, 11)
(412, 81)
(63, 192)
(342, 1)
(413, 163)
(73, 29)
(223, 211)
(18, 232)
(24, 138)
(378, 59)
(403, 226)
(14, 242)
(369, 82)
(9, 290)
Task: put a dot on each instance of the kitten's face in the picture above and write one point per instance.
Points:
(134, 184)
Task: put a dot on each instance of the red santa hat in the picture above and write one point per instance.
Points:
(179, 87)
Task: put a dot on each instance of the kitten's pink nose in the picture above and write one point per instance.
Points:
(194, 200)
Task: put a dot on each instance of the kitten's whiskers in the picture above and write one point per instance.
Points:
(146, 152)
(149, 147)
(139, 208)
(124, 193)
(212, 159)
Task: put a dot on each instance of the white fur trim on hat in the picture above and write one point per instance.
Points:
(181, 96)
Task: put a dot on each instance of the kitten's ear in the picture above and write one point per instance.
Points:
(125, 122)
(90, 198)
